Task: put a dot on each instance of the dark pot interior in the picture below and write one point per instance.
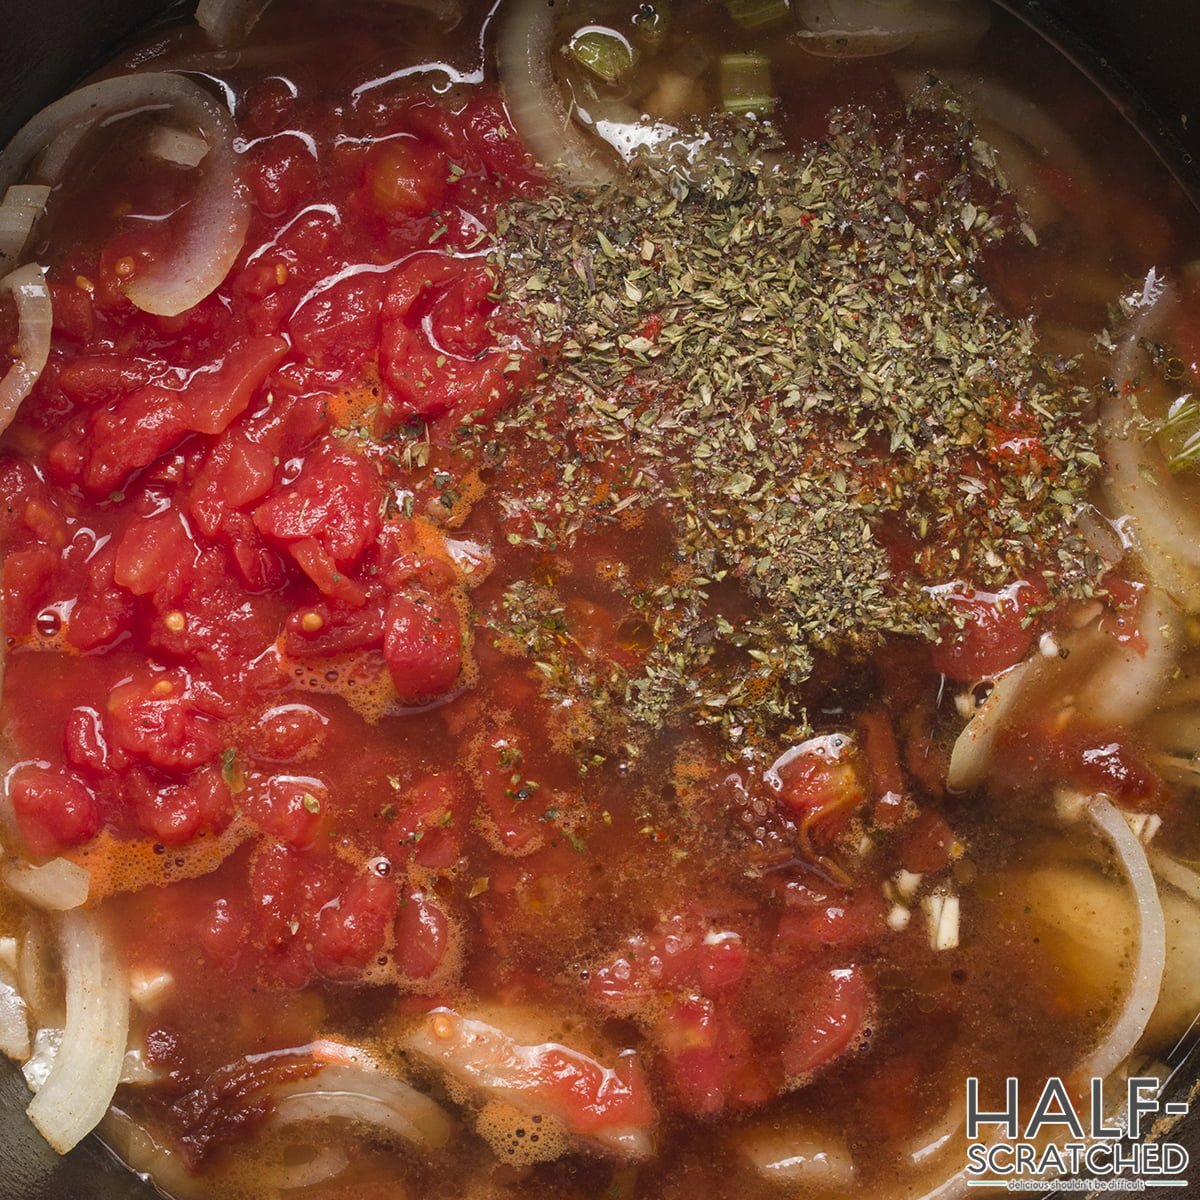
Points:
(1143, 54)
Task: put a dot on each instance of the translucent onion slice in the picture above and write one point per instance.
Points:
(363, 1096)
(218, 215)
(23, 204)
(56, 887)
(88, 1065)
(1182, 878)
(867, 28)
(1127, 683)
(1149, 957)
(1139, 482)
(535, 100)
(796, 1156)
(972, 753)
(228, 21)
(35, 317)
(14, 1020)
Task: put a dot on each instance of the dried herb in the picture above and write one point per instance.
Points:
(793, 362)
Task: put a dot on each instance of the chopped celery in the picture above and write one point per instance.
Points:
(754, 14)
(746, 83)
(602, 51)
(650, 23)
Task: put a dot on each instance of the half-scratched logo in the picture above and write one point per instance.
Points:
(1066, 1147)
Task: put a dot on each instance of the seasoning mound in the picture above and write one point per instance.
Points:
(793, 360)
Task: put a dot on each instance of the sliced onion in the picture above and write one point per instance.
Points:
(87, 1068)
(219, 214)
(23, 204)
(14, 1020)
(501, 1060)
(1127, 683)
(867, 28)
(56, 887)
(535, 100)
(228, 21)
(47, 1043)
(1139, 483)
(972, 753)
(1182, 878)
(365, 1097)
(1150, 956)
(797, 1156)
(35, 317)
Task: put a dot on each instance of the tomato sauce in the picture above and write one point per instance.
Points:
(250, 562)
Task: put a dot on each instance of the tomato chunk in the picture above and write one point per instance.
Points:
(54, 810)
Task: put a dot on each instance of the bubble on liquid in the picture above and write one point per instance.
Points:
(520, 1138)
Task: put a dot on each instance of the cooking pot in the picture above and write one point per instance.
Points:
(1143, 55)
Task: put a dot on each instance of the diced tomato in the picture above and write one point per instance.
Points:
(157, 716)
(335, 503)
(85, 743)
(155, 555)
(998, 633)
(448, 298)
(405, 177)
(422, 645)
(180, 813)
(352, 929)
(27, 577)
(288, 807)
(428, 826)
(54, 810)
(281, 173)
(508, 793)
(883, 762)
(339, 327)
(848, 921)
(422, 936)
(290, 733)
(832, 1012)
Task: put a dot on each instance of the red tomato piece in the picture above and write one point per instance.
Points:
(289, 732)
(27, 581)
(428, 827)
(849, 921)
(334, 502)
(448, 297)
(405, 177)
(422, 936)
(998, 633)
(422, 645)
(352, 929)
(178, 814)
(155, 555)
(157, 717)
(833, 1013)
(926, 844)
(291, 808)
(338, 328)
(54, 810)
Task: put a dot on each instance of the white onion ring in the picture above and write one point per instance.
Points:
(219, 214)
(363, 1096)
(88, 1065)
(535, 101)
(228, 21)
(23, 204)
(35, 317)
(58, 886)
(1150, 957)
